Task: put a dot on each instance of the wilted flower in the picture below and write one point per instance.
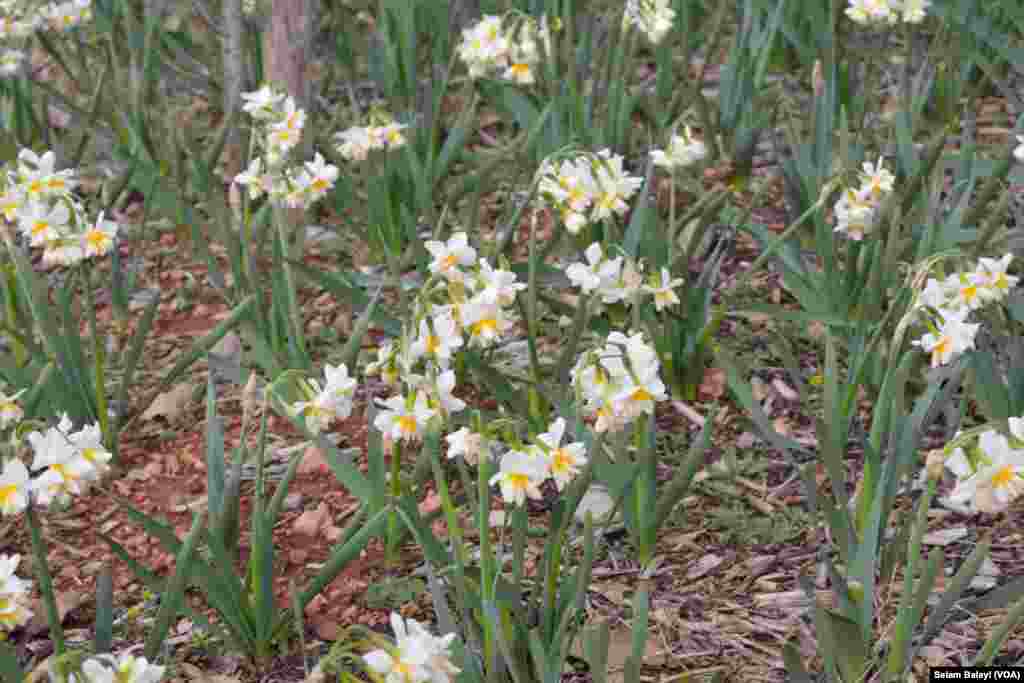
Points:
(472, 446)
(654, 18)
(683, 150)
(10, 411)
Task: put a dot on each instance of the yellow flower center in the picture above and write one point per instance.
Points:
(560, 460)
(519, 482)
(969, 292)
(7, 494)
(433, 343)
(40, 227)
(65, 474)
(521, 70)
(97, 238)
(319, 184)
(35, 187)
(56, 183)
(640, 395)
(449, 261)
(1004, 477)
(407, 423)
(941, 349)
(485, 325)
(1000, 282)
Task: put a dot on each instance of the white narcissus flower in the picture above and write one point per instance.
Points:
(468, 444)
(417, 657)
(450, 255)
(88, 443)
(334, 400)
(438, 339)
(390, 136)
(98, 239)
(662, 290)
(654, 18)
(10, 62)
(401, 422)
(995, 283)
(321, 176)
(997, 481)
(682, 150)
(563, 462)
(966, 291)
(520, 477)
(42, 223)
(597, 273)
(14, 595)
(356, 143)
(615, 187)
(876, 180)
(914, 11)
(486, 323)
(262, 104)
(14, 487)
(443, 390)
(1017, 428)
(10, 411)
(253, 178)
(953, 338)
(124, 669)
(497, 286)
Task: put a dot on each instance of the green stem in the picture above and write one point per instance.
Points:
(396, 494)
(45, 581)
(293, 306)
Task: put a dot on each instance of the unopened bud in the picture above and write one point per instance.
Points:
(818, 79)
(935, 464)
(249, 395)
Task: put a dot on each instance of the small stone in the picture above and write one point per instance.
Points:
(292, 502)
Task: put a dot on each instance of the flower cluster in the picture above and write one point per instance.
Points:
(19, 20)
(653, 18)
(280, 123)
(619, 382)
(509, 50)
(417, 656)
(991, 474)
(39, 200)
(69, 461)
(14, 594)
(948, 303)
(621, 279)
(587, 188)
(467, 302)
(355, 144)
(887, 12)
(332, 401)
(683, 150)
(857, 210)
(64, 16)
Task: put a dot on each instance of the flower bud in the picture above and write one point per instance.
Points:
(935, 464)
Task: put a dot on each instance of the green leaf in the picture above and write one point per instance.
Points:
(174, 594)
(104, 625)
